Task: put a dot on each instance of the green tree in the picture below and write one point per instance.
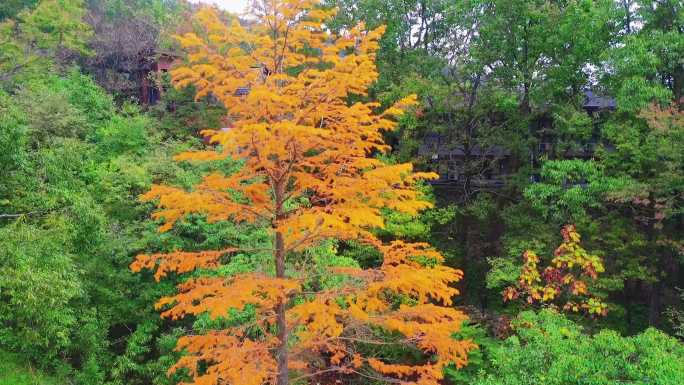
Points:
(32, 43)
(10, 8)
(645, 134)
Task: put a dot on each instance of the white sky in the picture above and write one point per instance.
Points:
(235, 6)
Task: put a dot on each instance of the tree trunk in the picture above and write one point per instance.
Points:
(656, 289)
(654, 304)
(628, 16)
(678, 84)
(282, 377)
(525, 104)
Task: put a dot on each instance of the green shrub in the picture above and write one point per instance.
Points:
(13, 141)
(124, 134)
(549, 349)
(13, 371)
(38, 286)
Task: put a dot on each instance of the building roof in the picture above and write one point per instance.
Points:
(596, 102)
(434, 144)
(459, 151)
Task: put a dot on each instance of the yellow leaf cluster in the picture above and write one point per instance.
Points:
(230, 359)
(217, 295)
(560, 280)
(328, 325)
(178, 262)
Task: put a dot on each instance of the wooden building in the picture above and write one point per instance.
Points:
(598, 108)
(474, 166)
(150, 76)
(489, 167)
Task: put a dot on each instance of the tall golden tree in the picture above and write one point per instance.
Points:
(310, 173)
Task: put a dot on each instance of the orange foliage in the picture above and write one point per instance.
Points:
(179, 262)
(310, 174)
(236, 360)
(565, 280)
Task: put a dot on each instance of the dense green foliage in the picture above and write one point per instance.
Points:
(77, 147)
(549, 349)
(15, 371)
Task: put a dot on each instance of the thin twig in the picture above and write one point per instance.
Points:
(18, 215)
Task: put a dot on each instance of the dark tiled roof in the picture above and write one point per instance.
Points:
(595, 102)
(432, 147)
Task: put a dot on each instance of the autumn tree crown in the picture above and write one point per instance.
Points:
(310, 173)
